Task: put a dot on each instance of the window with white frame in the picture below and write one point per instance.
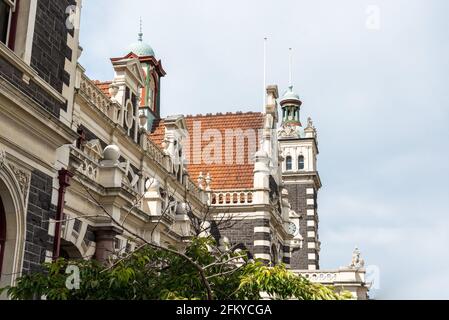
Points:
(7, 9)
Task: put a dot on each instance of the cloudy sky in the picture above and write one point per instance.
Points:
(378, 94)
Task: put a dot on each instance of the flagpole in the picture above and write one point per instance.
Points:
(290, 68)
(264, 72)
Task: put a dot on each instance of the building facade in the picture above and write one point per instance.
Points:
(89, 169)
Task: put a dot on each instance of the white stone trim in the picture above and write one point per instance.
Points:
(262, 230)
(262, 256)
(311, 256)
(310, 202)
(30, 31)
(310, 191)
(311, 245)
(48, 256)
(311, 234)
(312, 267)
(310, 212)
(263, 243)
(311, 223)
(51, 227)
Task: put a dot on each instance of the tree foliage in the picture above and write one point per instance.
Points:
(154, 274)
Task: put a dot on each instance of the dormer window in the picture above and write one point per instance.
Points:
(7, 10)
(288, 163)
(301, 163)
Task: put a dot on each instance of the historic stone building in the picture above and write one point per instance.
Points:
(89, 169)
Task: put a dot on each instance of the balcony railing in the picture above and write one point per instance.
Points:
(88, 167)
(94, 95)
(231, 198)
(324, 277)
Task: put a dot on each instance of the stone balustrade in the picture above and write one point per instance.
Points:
(88, 166)
(347, 279)
(323, 277)
(230, 198)
(93, 94)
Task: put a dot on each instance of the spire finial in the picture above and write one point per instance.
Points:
(140, 31)
(290, 69)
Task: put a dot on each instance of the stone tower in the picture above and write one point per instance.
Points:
(299, 148)
(152, 72)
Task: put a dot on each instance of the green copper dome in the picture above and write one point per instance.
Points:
(141, 48)
(289, 95)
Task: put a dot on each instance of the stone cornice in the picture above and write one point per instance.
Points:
(49, 128)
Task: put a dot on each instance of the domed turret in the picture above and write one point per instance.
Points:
(290, 97)
(291, 105)
(141, 48)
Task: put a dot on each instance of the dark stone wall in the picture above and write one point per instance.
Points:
(14, 76)
(298, 199)
(242, 233)
(40, 211)
(50, 42)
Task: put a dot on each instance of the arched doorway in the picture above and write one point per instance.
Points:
(12, 228)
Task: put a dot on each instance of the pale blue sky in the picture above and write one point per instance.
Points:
(379, 99)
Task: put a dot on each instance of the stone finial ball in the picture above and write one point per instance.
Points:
(152, 184)
(112, 153)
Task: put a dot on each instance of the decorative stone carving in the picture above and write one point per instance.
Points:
(113, 90)
(310, 131)
(201, 181)
(93, 149)
(111, 154)
(2, 158)
(23, 179)
(288, 131)
(310, 123)
(357, 262)
(208, 182)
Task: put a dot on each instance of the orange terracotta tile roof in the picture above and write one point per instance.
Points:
(103, 86)
(224, 176)
(157, 132)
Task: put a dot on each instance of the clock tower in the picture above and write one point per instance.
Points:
(299, 148)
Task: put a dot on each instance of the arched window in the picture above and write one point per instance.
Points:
(288, 163)
(2, 234)
(301, 163)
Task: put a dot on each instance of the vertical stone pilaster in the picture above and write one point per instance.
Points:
(262, 240)
(105, 237)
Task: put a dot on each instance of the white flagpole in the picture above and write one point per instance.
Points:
(290, 68)
(264, 73)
